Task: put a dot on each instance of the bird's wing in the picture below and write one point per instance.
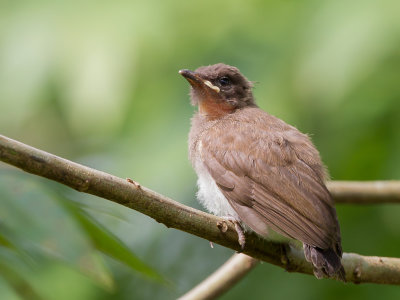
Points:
(272, 178)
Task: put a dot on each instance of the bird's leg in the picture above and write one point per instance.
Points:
(239, 230)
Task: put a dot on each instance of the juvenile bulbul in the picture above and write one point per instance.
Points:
(259, 171)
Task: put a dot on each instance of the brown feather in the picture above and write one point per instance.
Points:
(276, 171)
(258, 169)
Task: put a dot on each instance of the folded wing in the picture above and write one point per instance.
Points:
(273, 178)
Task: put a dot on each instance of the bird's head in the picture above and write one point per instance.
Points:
(218, 89)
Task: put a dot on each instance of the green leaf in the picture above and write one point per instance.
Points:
(35, 224)
(42, 225)
(14, 271)
(109, 244)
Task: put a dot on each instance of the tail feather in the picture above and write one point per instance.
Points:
(326, 262)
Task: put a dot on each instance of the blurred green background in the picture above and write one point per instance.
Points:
(96, 82)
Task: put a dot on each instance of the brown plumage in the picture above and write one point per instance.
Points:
(259, 170)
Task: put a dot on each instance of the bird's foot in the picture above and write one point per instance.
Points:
(239, 231)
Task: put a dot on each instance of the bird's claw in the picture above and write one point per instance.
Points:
(239, 231)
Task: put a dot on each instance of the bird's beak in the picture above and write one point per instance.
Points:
(196, 81)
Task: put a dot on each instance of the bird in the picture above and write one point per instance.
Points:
(258, 171)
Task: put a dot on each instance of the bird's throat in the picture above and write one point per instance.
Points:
(214, 110)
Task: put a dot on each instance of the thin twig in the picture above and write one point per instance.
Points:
(173, 214)
(224, 278)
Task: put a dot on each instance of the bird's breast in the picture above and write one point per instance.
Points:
(209, 194)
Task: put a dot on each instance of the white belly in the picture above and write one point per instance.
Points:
(209, 194)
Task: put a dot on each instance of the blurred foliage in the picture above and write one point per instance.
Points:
(96, 82)
(66, 235)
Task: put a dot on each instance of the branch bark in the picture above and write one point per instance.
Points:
(365, 192)
(164, 210)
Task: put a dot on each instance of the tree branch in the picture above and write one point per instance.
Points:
(365, 192)
(359, 268)
(224, 278)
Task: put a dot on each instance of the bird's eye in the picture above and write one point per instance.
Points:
(224, 81)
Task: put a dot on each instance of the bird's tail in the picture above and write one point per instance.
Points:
(326, 262)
